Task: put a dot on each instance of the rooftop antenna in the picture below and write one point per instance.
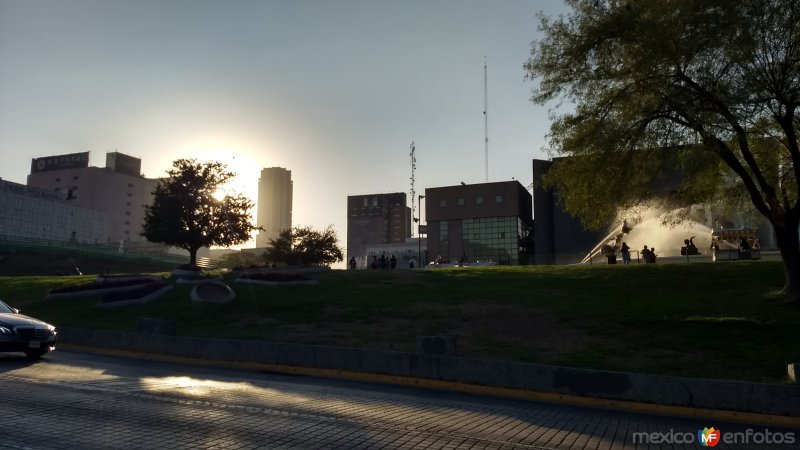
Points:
(486, 117)
(413, 191)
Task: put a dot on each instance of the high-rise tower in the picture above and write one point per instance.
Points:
(274, 204)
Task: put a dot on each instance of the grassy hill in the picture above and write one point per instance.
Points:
(27, 263)
(723, 320)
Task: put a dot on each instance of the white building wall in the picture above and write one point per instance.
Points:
(29, 212)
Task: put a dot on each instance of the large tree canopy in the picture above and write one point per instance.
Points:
(708, 89)
(306, 246)
(186, 214)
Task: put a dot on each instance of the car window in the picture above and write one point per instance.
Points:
(4, 309)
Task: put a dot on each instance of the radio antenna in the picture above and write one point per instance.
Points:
(413, 191)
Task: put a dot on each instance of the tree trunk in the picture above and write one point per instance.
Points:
(193, 257)
(789, 245)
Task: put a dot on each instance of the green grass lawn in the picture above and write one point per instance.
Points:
(723, 320)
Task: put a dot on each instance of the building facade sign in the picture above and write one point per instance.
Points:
(30, 191)
(60, 162)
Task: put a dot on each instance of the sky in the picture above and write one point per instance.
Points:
(335, 91)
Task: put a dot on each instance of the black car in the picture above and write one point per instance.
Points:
(20, 333)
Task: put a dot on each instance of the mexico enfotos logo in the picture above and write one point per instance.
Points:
(710, 437)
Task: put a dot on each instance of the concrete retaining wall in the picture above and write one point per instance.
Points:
(664, 390)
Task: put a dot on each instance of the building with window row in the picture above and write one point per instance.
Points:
(29, 212)
(118, 190)
(488, 222)
(376, 219)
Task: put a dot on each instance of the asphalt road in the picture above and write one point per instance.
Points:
(73, 400)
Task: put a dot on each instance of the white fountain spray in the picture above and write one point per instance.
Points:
(647, 226)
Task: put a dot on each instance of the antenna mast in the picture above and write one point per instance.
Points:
(413, 191)
(486, 117)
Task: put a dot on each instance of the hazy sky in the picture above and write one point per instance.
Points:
(334, 91)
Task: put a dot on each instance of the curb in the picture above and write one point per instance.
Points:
(725, 400)
(546, 397)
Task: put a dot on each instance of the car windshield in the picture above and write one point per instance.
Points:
(5, 309)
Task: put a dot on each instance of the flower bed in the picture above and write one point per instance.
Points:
(122, 277)
(196, 280)
(186, 270)
(143, 294)
(79, 290)
(276, 279)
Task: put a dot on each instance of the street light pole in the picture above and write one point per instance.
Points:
(419, 235)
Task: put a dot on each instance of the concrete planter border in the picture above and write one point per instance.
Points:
(196, 297)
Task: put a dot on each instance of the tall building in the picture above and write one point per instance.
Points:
(480, 222)
(376, 219)
(274, 204)
(118, 190)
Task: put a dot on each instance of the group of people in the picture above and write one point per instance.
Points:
(648, 255)
(383, 262)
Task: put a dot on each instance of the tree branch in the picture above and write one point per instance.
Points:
(741, 135)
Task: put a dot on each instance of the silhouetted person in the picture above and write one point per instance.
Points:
(393, 262)
(645, 254)
(626, 253)
(353, 263)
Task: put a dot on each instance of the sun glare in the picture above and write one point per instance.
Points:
(238, 161)
(219, 194)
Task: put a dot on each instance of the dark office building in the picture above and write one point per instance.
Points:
(560, 238)
(488, 221)
(376, 219)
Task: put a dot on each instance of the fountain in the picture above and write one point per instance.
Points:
(648, 228)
